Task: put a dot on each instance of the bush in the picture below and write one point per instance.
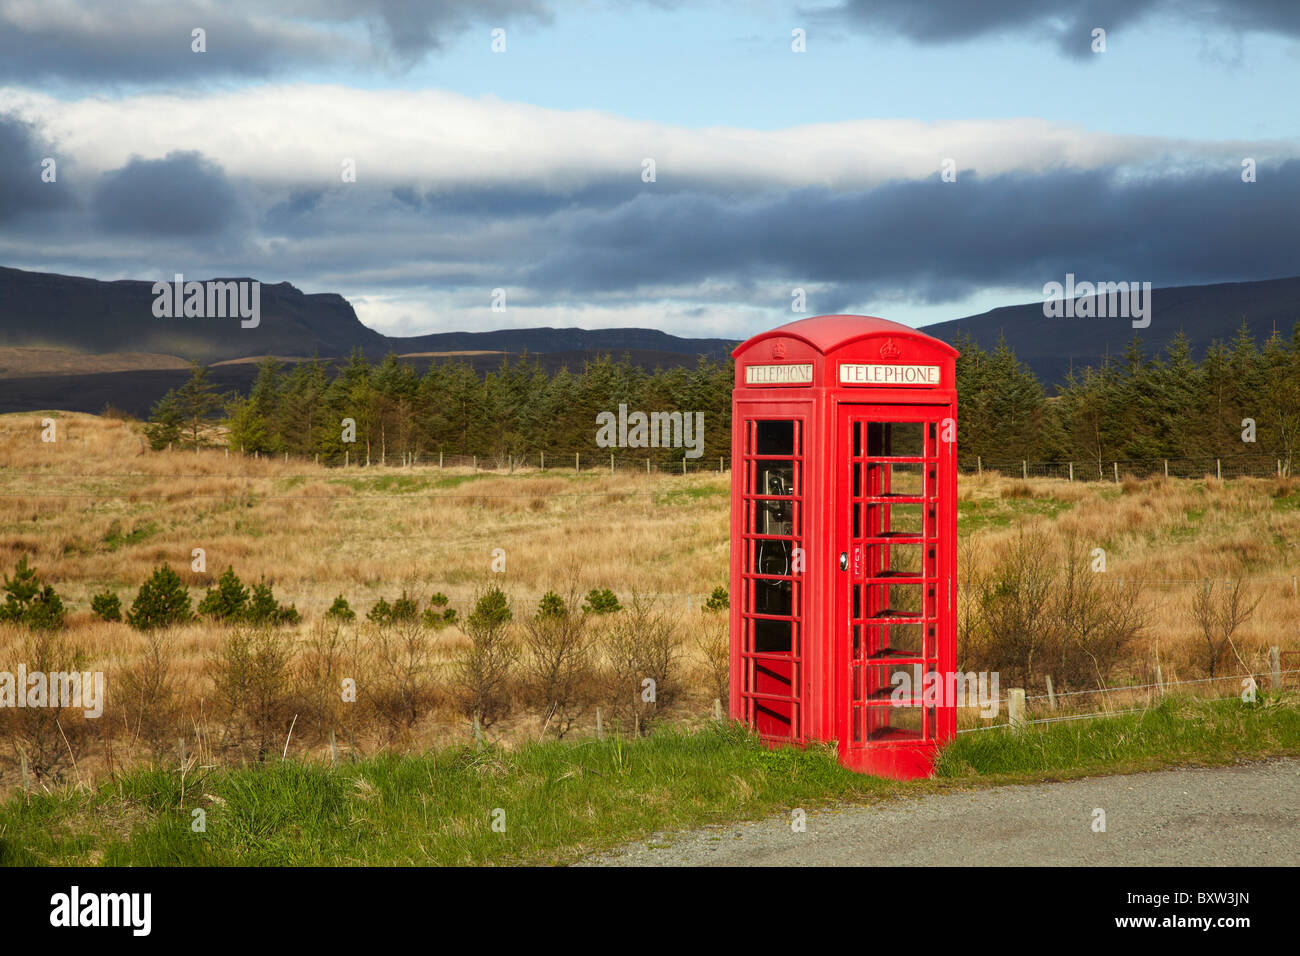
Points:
(438, 615)
(48, 735)
(251, 679)
(719, 600)
(106, 606)
(644, 644)
(162, 601)
(228, 601)
(340, 610)
(486, 667)
(265, 611)
(28, 602)
(558, 671)
(601, 602)
(149, 698)
(381, 613)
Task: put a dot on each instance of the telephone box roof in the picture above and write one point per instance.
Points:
(827, 332)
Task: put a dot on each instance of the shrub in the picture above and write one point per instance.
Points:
(228, 601)
(402, 689)
(381, 613)
(643, 644)
(47, 735)
(162, 601)
(601, 601)
(485, 668)
(438, 615)
(149, 695)
(251, 679)
(714, 643)
(28, 602)
(405, 608)
(106, 606)
(558, 670)
(340, 610)
(265, 611)
(719, 600)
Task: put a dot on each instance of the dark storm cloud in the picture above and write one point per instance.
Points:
(515, 200)
(23, 190)
(938, 241)
(135, 41)
(181, 194)
(1069, 22)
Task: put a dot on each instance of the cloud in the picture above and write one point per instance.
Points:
(436, 143)
(940, 241)
(150, 41)
(1070, 22)
(21, 155)
(182, 194)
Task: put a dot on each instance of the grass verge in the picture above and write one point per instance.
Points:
(560, 801)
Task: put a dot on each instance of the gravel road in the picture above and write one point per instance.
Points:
(1225, 816)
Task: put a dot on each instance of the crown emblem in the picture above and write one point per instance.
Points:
(778, 350)
(889, 350)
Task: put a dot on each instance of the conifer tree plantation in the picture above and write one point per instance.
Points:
(1239, 403)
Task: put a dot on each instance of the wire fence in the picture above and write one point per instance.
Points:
(1279, 679)
(1116, 470)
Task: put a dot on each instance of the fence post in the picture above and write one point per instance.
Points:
(1160, 680)
(1295, 592)
(1072, 471)
(647, 466)
(474, 461)
(600, 730)
(717, 708)
(1116, 464)
(1166, 467)
(1275, 667)
(575, 462)
(1016, 708)
(611, 463)
(1051, 694)
(1279, 467)
(1024, 469)
(979, 465)
(543, 461)
(720, 466)
(318, 458)
(1218, 468)
(683, 464)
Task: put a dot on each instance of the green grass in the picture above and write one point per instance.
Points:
(681, 496)
(563, 800)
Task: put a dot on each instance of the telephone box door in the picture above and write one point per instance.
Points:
(895, 532)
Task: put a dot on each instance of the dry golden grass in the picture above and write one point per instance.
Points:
(97, 509)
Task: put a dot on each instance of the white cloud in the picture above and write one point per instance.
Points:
(299, 134)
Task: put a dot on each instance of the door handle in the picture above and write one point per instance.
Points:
(844, 560)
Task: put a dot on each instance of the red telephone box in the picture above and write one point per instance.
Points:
(844, 540)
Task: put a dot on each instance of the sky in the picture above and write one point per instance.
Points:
(703, 168)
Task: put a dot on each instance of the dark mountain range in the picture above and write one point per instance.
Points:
(87, 315)
(90, 317)
(1052, 346)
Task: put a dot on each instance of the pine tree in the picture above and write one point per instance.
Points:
(165, 421)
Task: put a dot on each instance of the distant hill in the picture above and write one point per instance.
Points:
(1051, 346)
(43, 310)
(76, 343)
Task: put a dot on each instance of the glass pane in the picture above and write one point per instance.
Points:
(774, 438)
(775, 478)
(894, 560)
(772, 597)
(772, 637)
(772, 557)
(884, 521)
(887, 722)
(895, 439)
(899, 639)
